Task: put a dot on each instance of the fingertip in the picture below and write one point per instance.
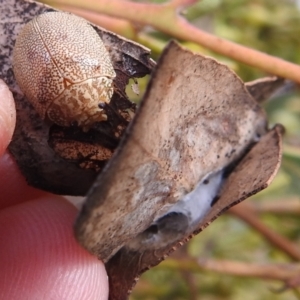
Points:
(13, 186)
(7, 116)
(41, 258)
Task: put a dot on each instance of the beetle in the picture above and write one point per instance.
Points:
(64, 69)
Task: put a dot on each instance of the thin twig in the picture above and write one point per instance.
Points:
(290, 206)
(283, 272)
(117, 25)
(165, 17)
(245, 213)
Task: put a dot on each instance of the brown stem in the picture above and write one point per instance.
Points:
(165, 18)
(245, 213)
(120, 26)
(284, 272)
(251, 57)
(289, 206)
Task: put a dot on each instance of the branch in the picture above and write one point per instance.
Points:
(245, 213)
(290, 206)
(120, 26)
(165, 18)
(283, 272)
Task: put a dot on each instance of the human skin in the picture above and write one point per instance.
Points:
(39, 256)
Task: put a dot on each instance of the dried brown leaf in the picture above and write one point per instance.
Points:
(193, 121)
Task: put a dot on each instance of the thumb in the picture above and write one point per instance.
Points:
(7, 116)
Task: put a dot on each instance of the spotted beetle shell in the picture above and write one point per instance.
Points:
(64, 69)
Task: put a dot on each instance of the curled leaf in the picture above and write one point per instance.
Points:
(195, 137)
